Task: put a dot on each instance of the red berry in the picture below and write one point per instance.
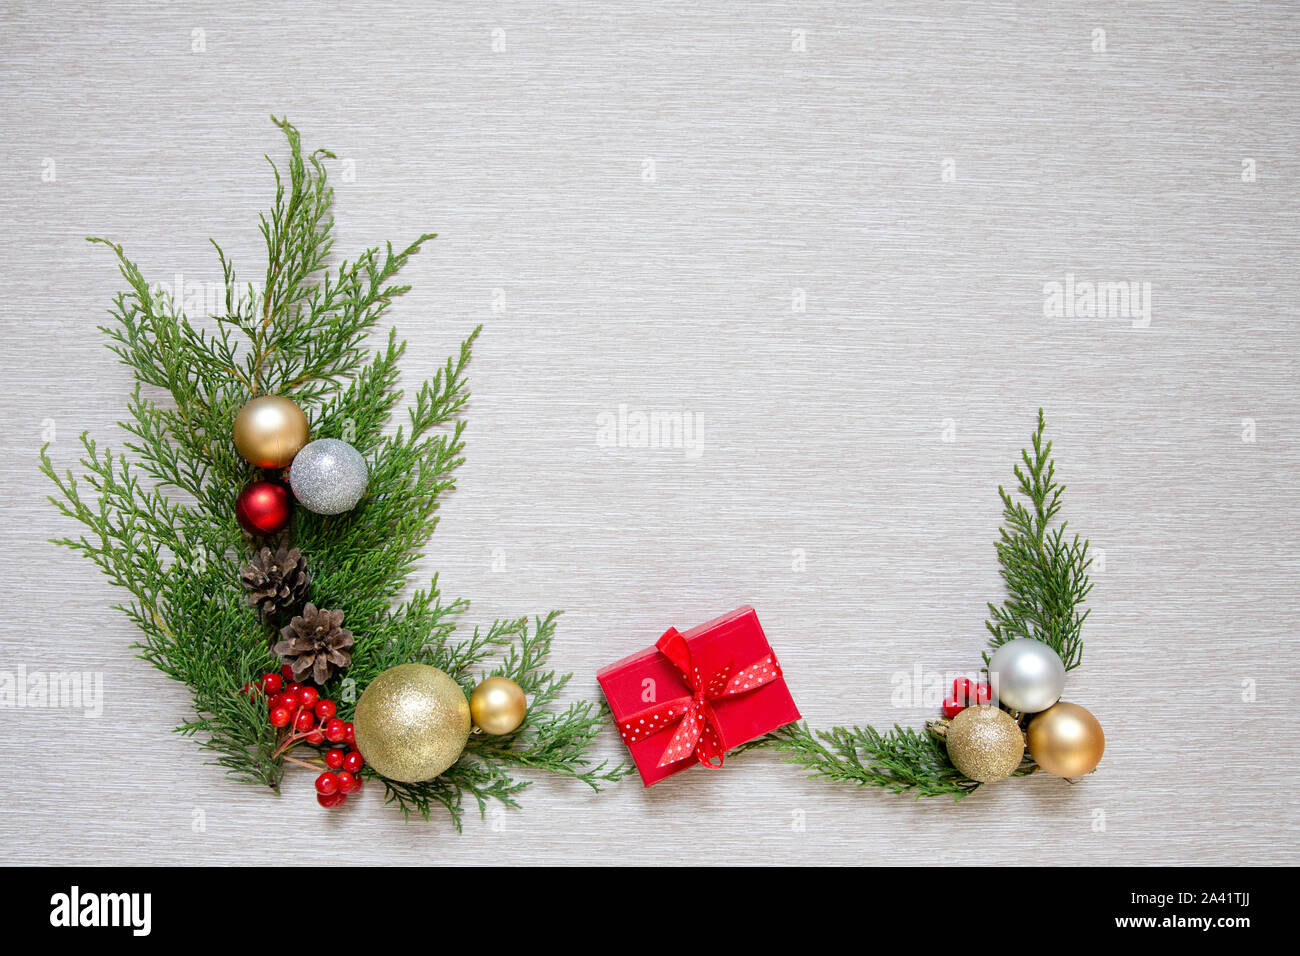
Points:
(304, 721)
(280, 717)
(325, 709)
(983, 693)
(315, 738)
(952, 707)
(335, 758)
(271, 683)
(335, 730)
(963, 690)
(350, 734)
(346, 781)
(279, 700)
(286, 673)
(327, 783)
(308, 697)
(353, 762)
(332, 800)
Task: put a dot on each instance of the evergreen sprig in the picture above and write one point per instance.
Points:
(898, 760)
(1046, 573)
(303, 336)
(1046, 576)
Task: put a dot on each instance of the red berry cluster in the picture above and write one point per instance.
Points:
(966, 692)
(311, 719)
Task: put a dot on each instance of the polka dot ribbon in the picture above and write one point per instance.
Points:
(697, 724)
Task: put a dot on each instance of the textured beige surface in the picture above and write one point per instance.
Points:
(920, 171)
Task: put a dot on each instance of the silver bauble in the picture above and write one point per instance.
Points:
(328, 476)
(1026, 675)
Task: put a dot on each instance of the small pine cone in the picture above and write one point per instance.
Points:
(276, 581)
(315, 645)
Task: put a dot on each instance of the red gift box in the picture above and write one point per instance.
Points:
(697, 694)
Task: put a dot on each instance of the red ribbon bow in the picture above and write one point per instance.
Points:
(698, 730)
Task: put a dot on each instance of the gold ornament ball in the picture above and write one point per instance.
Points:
(270, 430)
(1066, 740)
(498, 705)
(985, 743)
(411, 722)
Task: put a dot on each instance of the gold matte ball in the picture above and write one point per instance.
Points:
(411, 722)
(1066, 740)
(498, 705)
(269, 430)
(985, 743)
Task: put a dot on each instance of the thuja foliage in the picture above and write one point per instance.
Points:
(898, 760)
(1045, 571)
(160, 522)
(1046, 577)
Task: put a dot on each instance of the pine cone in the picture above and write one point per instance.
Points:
(315, 645)
(276, 581)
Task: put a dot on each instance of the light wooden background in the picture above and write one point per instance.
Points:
(920, 171)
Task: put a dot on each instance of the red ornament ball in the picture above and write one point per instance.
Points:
(952, 706)
(263, 508)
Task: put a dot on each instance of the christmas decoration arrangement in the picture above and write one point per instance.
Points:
(696, 695)
(1013, 722)
(265, 523)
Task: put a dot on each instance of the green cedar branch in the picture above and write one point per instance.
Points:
(302, 335)
(1045, 571)
(555, 738)
(899, 760)
(1046, 576)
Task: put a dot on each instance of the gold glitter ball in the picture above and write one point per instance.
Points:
(985, 743)
(412, 722)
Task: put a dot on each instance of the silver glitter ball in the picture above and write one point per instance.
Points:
(1026, 675)
(328, 476)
